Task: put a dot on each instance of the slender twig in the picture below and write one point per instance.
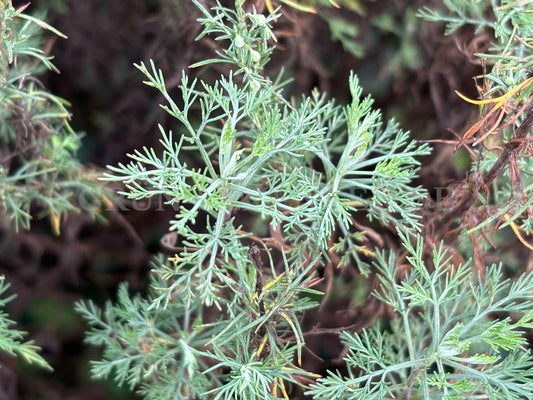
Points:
(468, 195)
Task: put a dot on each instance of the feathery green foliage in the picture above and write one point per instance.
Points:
(38, 165)
(445, 342)
(222, 319)
(38, 168)
(11, 338)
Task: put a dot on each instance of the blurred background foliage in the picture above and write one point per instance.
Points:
(407, 64)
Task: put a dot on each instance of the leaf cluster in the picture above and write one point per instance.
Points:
(222, 318)
(11, 339)
(445, 342)
(223, 315)
(38, 165)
